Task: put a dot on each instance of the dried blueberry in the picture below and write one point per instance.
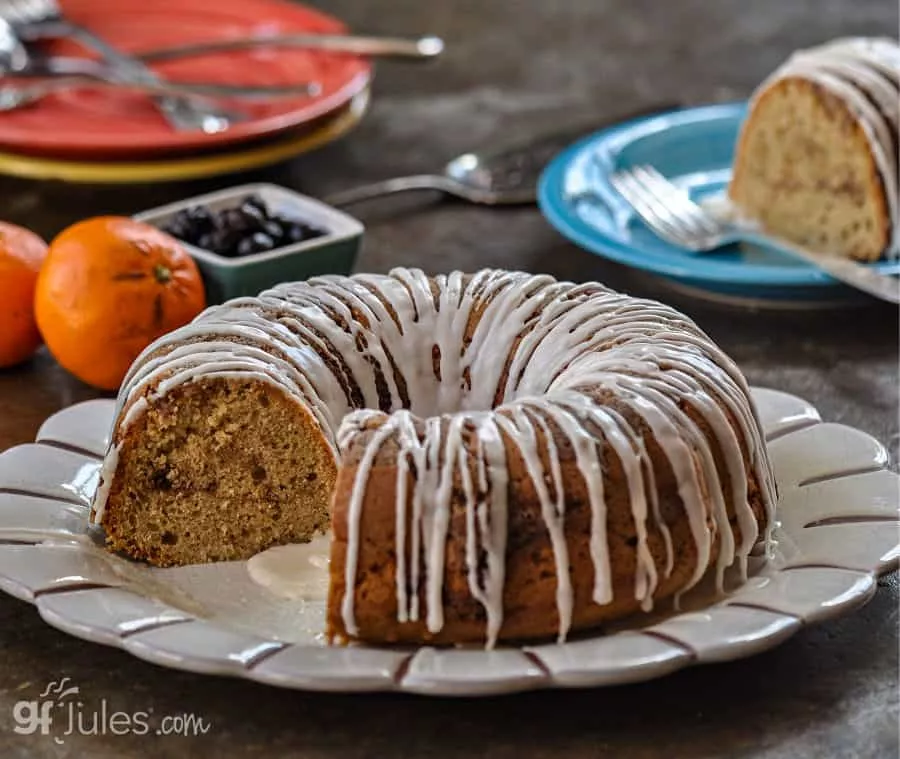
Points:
(257, 202)
(300, 231)
(262, 241)
(245, 247)
(200, 219)
(203, 241)
(234, 220)
(179, 228)
(224, 240)
(253, 214)
(295, 233)
(274, 230)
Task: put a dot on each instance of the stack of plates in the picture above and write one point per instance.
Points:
(110, 136)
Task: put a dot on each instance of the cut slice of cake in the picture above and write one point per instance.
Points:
(816, 161)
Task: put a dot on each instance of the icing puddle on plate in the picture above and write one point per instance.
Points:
(298, 572)
(265, 600)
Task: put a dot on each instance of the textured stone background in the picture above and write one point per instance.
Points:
(513, 66)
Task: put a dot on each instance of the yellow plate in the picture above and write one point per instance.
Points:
(195, 167)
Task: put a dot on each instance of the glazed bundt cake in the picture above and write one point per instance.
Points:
(816, 161)
(499, 455)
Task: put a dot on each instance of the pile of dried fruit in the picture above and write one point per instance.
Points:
(243, 230)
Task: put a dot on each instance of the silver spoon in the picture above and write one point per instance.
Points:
(506, 175)
(422, 48)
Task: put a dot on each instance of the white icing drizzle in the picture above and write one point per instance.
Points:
(492, 520)
(865, 74)
(457, 378)
(298, 571)
(522, 429)
(354, 512)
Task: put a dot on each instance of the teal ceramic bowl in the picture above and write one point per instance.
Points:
(224, 278)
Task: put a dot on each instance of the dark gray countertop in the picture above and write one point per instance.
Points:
(831, 691)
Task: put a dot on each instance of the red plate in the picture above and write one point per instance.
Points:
(97, 123)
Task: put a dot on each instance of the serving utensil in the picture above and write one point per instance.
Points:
(671, 214)
(32, 20)
(72, 72)
(421, 49)
(504, 175)
(13, 97)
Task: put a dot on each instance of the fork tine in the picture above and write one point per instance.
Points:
(668, 202)
(662, 215)
(677, 200)
(649, 210)
(660, 202)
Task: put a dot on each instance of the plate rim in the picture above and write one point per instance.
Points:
(183, 168)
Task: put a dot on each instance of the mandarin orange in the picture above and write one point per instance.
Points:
(21, 254)
(109, 287)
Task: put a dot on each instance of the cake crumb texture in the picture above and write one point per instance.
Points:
(218, 470)
(805, 172)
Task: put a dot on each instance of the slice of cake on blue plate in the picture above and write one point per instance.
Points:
(816, 160)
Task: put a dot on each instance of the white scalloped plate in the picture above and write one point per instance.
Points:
(839, 514)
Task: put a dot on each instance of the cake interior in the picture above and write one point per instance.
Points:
(805, 172)
(219, 469)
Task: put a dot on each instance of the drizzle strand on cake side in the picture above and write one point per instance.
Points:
(500, 455)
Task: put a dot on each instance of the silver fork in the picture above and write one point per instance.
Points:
(13, 97)
(42, 19)
(673, 216)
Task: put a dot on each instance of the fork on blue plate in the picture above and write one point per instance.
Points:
(672, 215)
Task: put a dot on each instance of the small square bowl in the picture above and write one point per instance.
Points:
(332, 253)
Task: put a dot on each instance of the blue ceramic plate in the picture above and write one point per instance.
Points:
(694, 148)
